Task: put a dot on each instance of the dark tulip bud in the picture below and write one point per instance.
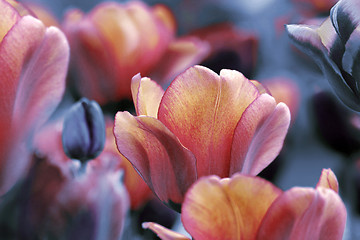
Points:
(83, 135)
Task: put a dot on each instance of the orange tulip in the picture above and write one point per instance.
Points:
(247, 207)
(33, 62)
(115, 41)
(203, 124)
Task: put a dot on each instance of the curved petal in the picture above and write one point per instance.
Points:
(164, 233)
(147, 95)
(259, 135)
(328, 180)
(305, 213)
(165, 165)
(228, 208)
(202, 109)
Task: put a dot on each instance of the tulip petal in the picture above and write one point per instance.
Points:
(147, 95)
(164, 233)
(259, 135)
(202, 110)
(180, 55)
(165, 165)
(228, 208)
(9, 16)
(328, 180)
(308, 40)
(305, 213)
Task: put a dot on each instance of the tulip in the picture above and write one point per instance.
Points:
(33, 62)
(83, 135)
(335, 46)
(115, 41)
(203, 124)
(247, 207)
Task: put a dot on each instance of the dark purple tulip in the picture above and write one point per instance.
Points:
(83, 136)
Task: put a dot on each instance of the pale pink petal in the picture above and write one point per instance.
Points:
(259, 135)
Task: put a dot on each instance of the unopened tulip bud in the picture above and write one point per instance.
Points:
(83, 134)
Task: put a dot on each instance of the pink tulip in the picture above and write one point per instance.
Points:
(203, 124)
(33, 62)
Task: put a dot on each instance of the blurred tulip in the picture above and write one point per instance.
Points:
(335, 46)
(115, 41)
(246, 207)
(230, 48)
(284, 90)
(83, 135)
(33, 62)
(202, 124)
(342, 133)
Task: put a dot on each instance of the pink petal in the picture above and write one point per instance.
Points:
(202, 109)
(158, 156)
(164, 233)
(305, 213)
(259, 135)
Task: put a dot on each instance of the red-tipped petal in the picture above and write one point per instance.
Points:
(228, 208)
(165, 165)
(305, 213)
(328, 180)
(259, 135)
(164, 233)
(202, 109)
(147, 95)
